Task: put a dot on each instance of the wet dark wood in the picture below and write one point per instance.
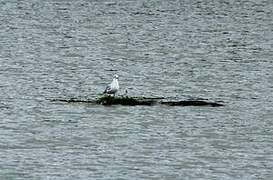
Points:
(144, 101)
(126, 101)
(192, 103)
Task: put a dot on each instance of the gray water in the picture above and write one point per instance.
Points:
(218, 50)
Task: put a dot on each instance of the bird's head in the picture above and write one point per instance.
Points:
(115, 76)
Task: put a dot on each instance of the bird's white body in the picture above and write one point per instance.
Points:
(113, 87)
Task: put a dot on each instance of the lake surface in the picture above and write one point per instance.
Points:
(218, 50)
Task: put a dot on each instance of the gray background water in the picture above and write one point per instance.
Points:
(220, 50)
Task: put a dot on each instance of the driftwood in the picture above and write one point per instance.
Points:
(133, 101)
(192, 103)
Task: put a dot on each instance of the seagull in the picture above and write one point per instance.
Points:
(113, 87)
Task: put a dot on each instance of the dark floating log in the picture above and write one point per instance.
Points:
(72, 100)
(127, 101)
(133, 101)
(192, 103)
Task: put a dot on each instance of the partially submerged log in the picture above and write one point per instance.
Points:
(125, 100)
(73, 100)
(133, 101)
(192, 103)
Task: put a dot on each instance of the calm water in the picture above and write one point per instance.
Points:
(220, 50)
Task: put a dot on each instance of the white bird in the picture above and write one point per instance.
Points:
(113, 87)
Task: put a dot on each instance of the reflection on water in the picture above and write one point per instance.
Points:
(216, 50)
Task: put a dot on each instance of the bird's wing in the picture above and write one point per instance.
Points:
(107, 89)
